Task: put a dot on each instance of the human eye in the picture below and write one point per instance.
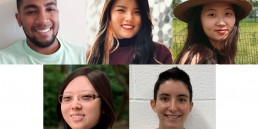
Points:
(30, 11)
(137, 11)
(120, 10)
(164, 99)
(182, 100)
(51, 9)
(67, 98)
(211, 14)
(229, 13)
(86, 97)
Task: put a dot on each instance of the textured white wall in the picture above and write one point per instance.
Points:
(142, 80)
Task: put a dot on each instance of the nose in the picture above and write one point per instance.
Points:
(173, 106)
(76, 105)
(128, 16)
(42, 17)
(221, 22)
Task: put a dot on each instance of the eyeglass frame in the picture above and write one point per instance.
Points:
(93, 97)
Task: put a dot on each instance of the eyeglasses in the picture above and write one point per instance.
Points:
(83, 98)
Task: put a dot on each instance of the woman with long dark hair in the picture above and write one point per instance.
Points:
(125, 36)
(212, 30)
(84, 101)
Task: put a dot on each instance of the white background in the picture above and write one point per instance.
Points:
(21, 94)
(237, 96)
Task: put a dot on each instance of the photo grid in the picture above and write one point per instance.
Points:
(129, 64)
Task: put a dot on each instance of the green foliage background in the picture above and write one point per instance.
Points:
(53, 79)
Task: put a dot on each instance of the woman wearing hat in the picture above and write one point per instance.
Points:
(212, 30)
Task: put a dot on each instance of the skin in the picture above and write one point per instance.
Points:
(218, 20)
(40, 23)
(172, 105)
(125, 19)
(88, 113)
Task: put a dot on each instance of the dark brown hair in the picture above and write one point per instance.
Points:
(102, 85)
(143, 48)
(197, 42)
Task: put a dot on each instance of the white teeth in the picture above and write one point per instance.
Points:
(77, 116)
(44, 31)
(127, 26)
(173, 116)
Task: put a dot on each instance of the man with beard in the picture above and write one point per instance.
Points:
(40, 22)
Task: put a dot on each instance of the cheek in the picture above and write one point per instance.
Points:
(232, 23)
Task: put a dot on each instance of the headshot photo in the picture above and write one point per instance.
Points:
(86, 97)
(215, 31)
(125, 35)
(32, 36)
(172, 97)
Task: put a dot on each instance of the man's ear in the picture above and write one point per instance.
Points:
(18, 18)
(153, 105)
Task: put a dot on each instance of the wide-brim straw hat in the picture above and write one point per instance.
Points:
(183, 10)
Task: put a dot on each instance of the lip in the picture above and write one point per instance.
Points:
(77, 117)
(221, 31)
(127, 26)
(173, 117)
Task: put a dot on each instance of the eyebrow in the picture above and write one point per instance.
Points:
(224, 9)
(34, 6)
(164, 94)
(122, 6)
(183, 95)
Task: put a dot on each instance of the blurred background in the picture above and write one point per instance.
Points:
(118, 75)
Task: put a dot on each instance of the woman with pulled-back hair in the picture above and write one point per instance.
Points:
(125, 36)
(85, 102)
(213, 30)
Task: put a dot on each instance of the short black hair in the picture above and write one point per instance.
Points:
(18, 4)
(173, 74)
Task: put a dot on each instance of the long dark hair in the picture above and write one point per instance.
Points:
(102, 85)
(197, 42)
(143, 47)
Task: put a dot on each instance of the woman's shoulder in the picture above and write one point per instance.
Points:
(195, 58)
(163, 54)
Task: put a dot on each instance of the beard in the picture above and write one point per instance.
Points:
(38, 43)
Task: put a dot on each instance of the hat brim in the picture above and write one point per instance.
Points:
(183, 10)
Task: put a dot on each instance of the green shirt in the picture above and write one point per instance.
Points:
(21, 53)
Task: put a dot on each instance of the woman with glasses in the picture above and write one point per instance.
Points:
(85, 101)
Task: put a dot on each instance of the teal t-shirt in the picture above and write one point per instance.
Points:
(21, 53)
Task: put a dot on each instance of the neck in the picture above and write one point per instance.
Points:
(47, 50)
(160, 127)
(217, 44)
(126, 41)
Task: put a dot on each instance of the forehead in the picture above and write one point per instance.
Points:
(80, 84)
(126, 3)
(173, 87)
(216, 6)
(36, 2)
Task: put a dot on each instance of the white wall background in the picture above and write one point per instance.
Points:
(21, 94)
(142, 80)
(237, 94)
